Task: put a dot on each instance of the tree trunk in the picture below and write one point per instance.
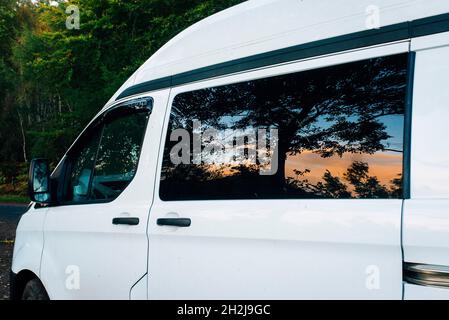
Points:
(280, 173)
(279, 176)
(23, 138)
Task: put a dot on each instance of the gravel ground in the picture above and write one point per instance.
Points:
(9, 217)
(5, 266)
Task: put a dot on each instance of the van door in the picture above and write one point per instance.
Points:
(426, 218)
(284, 183)
(95, 240)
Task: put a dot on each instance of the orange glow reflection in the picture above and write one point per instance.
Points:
(386, 166)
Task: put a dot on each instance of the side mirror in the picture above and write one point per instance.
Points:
(39, 181)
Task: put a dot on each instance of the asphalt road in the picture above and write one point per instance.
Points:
(11, 213)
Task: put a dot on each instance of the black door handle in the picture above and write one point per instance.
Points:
(174, 222)
(126, 221)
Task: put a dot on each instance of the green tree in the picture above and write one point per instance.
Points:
(53, 80)
(365, 186)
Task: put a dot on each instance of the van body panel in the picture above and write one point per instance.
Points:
(430, 151)
(426, 232)
(277, 249)
(85, 255)
(140, 290)
(426, 223)
(29, 242)
(417, 292)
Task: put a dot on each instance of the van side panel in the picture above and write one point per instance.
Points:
(430, 150)
(276, 249)
(29, 242)
(426, 214)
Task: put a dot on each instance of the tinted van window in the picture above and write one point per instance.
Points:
(118, 155)
(335, 132)
(81, 173)
(107, 162)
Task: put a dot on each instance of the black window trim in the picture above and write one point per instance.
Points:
(362, 39)
(407, 135)
(60, 175)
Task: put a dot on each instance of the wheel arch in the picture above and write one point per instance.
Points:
(18, 282)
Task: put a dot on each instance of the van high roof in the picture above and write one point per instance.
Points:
(261, 26)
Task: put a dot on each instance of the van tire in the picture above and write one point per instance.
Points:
(34, 290)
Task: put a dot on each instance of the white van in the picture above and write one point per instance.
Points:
(276, 150)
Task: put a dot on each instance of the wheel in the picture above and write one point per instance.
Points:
(34, 290)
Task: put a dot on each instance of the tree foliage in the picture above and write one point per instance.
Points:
(53, 80)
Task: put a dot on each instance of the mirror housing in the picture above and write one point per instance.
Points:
(39, 181)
